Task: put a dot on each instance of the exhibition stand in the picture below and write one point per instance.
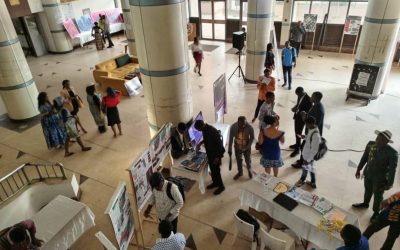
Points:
(62, 222)
(314, 219)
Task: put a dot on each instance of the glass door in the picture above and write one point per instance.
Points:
(213, 16)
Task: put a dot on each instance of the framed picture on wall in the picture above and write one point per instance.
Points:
(86, 11)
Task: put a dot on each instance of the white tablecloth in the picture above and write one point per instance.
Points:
(302, 220)
(61, 222)
(178, 170)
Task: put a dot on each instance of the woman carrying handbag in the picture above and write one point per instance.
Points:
(73, 102)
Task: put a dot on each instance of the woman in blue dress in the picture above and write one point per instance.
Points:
(269, 139)
(53, 130)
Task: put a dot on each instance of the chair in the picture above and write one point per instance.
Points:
(276, 240)
(245, 229)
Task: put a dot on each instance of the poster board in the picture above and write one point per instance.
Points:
(160, 146)
(68, 10)
(363, 78)
(310, 22)
(141, 171)
(220, 105)
(84, 23)
(352, 25)
(120, 212)
(72, 31)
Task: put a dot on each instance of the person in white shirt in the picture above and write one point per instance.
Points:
(311, 146)
(166, 208)
(169, 240)
(267, 108)
(197, 52)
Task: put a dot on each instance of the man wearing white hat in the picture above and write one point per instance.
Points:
(381, 162)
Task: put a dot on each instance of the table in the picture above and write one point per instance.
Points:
(302, 220)
(178, 170)
(61, 222)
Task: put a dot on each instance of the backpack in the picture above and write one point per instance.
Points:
(322, 149)
(246, 217)
(179, 183)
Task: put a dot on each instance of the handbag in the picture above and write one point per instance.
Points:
(258, 146)
(80, 102)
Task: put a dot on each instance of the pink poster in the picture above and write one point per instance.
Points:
(113, 15)
(71, 28)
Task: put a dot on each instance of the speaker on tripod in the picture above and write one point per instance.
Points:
(238, 38)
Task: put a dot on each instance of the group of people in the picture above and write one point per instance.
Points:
(101, 32)
(59, 117)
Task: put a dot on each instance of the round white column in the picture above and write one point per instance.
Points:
(162, 49)
(286, 21)
(55, 18)
(126, 10)
(378, 39)
(17, 87)
(259, 15)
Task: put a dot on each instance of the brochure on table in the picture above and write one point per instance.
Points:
(141, 171)
(120, 212)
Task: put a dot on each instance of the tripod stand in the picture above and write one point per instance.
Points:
(238, 68)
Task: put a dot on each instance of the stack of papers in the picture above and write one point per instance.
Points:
(295, 193)
(308, 199)
(196, 162)
(322, 205)
(263, 178)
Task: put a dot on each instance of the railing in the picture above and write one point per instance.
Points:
(27, 174)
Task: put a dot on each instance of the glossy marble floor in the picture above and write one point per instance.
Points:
(206, 220)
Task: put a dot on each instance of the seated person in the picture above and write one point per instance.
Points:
(179, 140)
(20, 236)
(353, 240)
(168, 239)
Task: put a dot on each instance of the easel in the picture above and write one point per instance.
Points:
(355, 42)
(278, 65)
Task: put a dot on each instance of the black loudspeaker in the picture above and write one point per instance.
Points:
(238, 40)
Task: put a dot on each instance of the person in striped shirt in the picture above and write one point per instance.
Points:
(389, 216)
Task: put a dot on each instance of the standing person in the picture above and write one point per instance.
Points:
(297, 32)
(243, 134)
(353, 240)
(270, 58)
(107, 32)
(197, 53)
(109, 103)
(269, 139)
(69, 125)
(310, 149)
(288, 62)
(389, 216)
(98, 35)
(318, 112)
(265, 85)
(168, 239)
(180, 141)
(53, 131)
(267, 108)
(94, 100)
(215, 151)
(20, 236)
(102, 27)
(167, 199)
(73, 102)
(380, 161)
(303, 105)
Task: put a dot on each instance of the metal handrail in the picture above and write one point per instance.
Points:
(26, 174)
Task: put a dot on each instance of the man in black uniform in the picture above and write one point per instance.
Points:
(215, 150)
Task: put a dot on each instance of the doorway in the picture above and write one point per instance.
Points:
(213, 19)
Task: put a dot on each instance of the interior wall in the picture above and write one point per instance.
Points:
(96, 5)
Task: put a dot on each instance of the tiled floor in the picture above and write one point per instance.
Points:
(206, 220)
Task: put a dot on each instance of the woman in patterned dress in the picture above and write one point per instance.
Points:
(53, 130)
(97, 33)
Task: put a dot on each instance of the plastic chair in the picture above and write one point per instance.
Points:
(276, 240)
(245, 229)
